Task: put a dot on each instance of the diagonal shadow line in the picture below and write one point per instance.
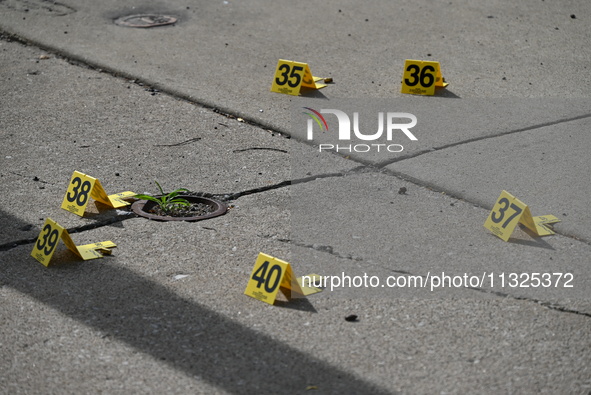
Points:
(186, 335)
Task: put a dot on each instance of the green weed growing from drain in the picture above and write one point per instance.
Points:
(167, 202)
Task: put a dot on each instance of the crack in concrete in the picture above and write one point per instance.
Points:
(76, 229)
(481, 138)
(330, 250)
(260, 149)
(223, 197)
(365, 167)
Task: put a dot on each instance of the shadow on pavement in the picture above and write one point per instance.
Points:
(189, 337)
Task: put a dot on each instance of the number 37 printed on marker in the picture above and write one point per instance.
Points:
(508, 211)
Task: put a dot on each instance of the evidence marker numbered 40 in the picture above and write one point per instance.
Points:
(269, 275)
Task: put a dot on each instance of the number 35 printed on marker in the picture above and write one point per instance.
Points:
(290, 76)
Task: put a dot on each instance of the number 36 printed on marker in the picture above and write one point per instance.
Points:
(421, 77)
(425, 76)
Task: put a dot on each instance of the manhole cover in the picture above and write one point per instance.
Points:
(145, 20)
(215, 208)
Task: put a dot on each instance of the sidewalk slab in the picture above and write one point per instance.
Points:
(59, 118)
(200, 332)
(547, 168)
(440, 123)
(224, 53)
(422, 233)
(189, 105)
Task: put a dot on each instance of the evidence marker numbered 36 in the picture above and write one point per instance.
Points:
(422, 77)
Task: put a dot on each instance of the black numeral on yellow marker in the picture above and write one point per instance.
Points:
(79, 191)
(424, 76)
(264, 275)
(505, 205)
(289, 75)
(47, 239)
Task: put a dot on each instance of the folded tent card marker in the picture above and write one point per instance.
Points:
(83, 186)
(508, 211)
(422, 77)
(290, 77)
(270, 275)
(52, 233)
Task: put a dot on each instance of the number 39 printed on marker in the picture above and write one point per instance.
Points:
(50, 235)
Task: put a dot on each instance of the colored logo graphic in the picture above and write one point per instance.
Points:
(315, 115)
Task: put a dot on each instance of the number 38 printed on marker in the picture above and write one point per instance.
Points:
(78, 191)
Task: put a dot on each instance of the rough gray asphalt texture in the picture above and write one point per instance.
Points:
(189, 105)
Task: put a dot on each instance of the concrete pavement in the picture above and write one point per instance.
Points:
(166, 311)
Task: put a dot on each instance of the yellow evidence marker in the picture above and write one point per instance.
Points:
(270, 275)
(291, 76)
(82, 187)
(508, 211)
(50, 235)
(421, 77)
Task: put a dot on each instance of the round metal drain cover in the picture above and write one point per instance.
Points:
(216, 208)
(145, 20)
